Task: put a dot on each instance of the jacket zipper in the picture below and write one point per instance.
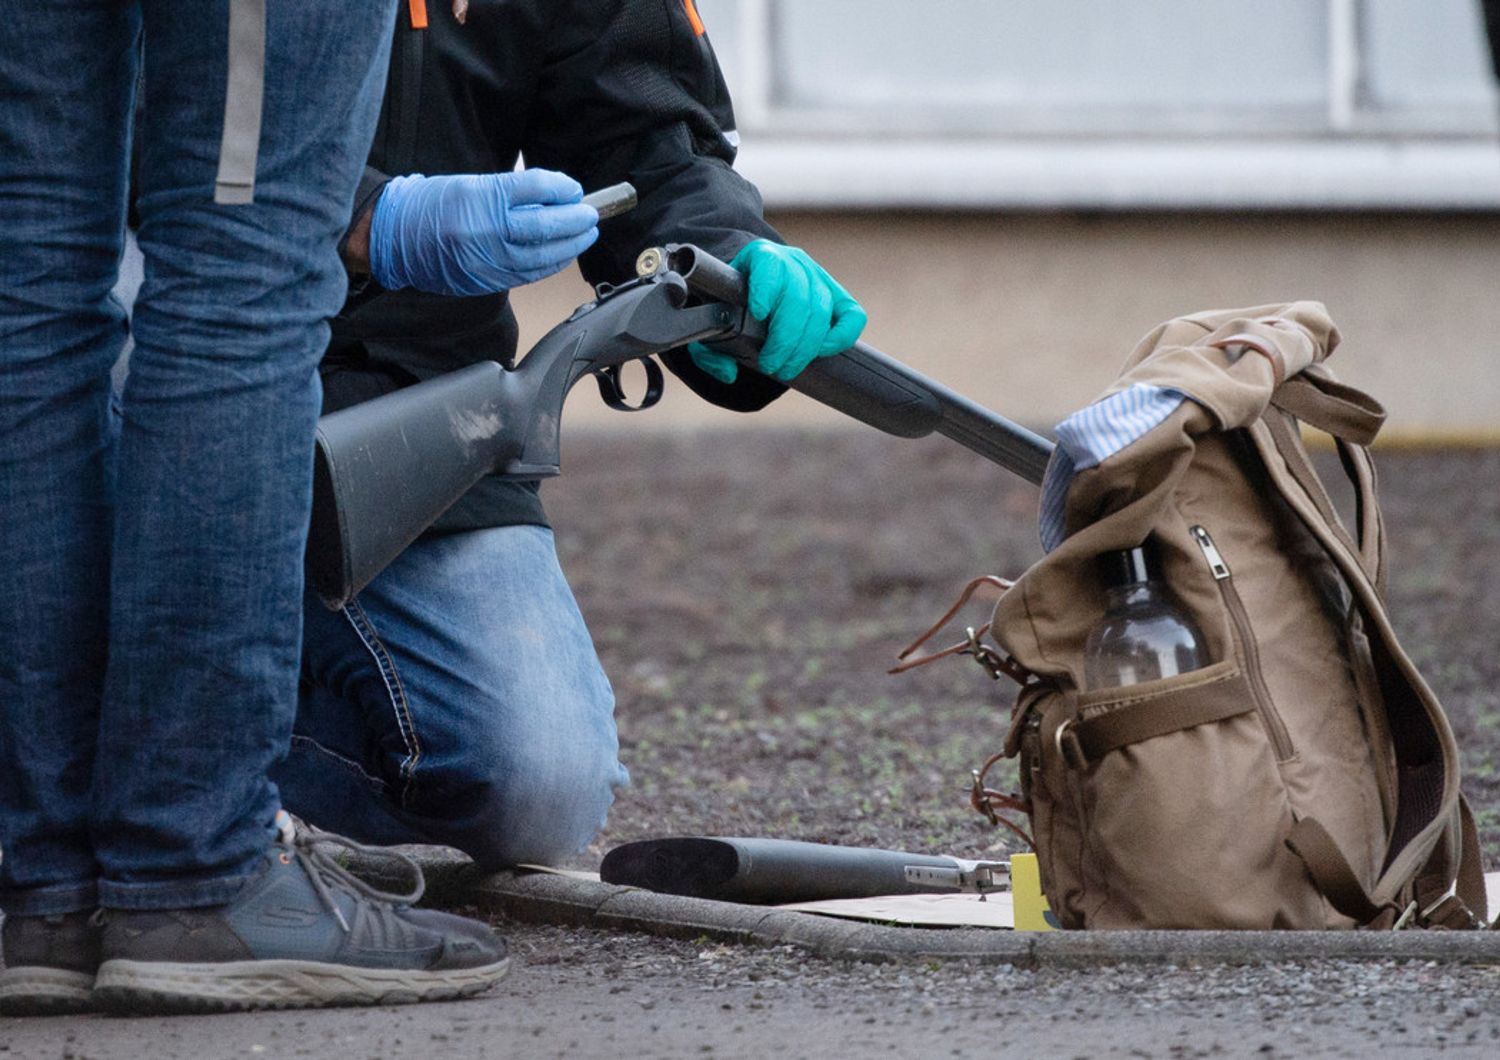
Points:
(405, 92)
(1281, 741)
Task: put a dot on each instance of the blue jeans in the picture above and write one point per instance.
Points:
(151, 585)
(459, 701)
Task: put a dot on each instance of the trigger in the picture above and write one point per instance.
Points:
(613, 392)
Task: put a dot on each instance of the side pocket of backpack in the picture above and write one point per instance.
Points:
(1056, 823)
(1180, 807)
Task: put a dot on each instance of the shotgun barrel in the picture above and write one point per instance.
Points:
(868, 385)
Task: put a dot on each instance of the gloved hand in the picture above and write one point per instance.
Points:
(478, 233)
(808, 314)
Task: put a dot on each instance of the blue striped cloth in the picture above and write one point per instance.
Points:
(1092, 435)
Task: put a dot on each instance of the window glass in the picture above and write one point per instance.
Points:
(1216, 67)
(1051, 54)
(1426, 53)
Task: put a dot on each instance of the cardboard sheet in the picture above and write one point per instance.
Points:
(920, 910)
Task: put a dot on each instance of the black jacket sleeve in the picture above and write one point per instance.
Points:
(371, 183)
(630, 90)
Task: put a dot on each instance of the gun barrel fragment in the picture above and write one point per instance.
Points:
(868, 385)
(775, 871)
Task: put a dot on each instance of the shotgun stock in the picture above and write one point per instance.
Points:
(386, 469)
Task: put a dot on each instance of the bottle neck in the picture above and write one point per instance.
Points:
(1133, 593)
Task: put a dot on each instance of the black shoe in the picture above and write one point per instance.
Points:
(50, 963)
(302, 933)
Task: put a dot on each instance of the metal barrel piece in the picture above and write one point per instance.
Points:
(775, 871)
(613, 200)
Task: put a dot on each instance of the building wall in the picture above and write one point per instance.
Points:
(1032, 314)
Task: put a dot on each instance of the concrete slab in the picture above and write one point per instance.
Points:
(539, 898)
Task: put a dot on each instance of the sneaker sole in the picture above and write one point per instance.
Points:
(40, 991)
(139, 987)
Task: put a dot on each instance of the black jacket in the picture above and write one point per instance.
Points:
(603, 90)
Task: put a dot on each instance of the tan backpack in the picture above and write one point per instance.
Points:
(1306, 777)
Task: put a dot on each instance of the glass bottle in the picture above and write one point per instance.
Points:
(1144, 635)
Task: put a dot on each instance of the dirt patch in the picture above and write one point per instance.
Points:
(747, 592)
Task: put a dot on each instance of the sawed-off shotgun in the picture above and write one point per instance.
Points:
(386, 469)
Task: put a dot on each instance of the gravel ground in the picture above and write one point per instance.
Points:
(747, 592)
(576, 992)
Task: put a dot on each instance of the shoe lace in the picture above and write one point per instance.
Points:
(311, 848)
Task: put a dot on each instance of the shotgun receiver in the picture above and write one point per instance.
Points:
(386, 469)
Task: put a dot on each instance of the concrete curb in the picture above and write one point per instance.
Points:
(540, 898)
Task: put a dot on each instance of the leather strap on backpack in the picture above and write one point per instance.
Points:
(1433, 906)
(1321, 401)
(1218, 697)
(1466, 907)
(1332, 874)
(1353, 419)
(993, 662)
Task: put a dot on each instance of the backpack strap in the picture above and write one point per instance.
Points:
(1466, 906)
(1369, 523)
(1353, 419)
(1369, 550)
(993, 662)
(1321, 401)
(1331, 873)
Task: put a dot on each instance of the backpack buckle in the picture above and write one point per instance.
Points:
(1069, 749)
(1450, 912)
(992, 662)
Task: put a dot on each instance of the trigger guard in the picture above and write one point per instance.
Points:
(614, 394)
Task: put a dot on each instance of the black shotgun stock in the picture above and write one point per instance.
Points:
(385, 470)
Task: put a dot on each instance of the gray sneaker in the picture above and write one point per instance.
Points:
(50, 963)
(303, 932)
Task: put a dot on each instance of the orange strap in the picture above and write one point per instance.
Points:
(418, 10)
(692, 14)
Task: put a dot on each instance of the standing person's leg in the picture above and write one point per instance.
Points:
(214, 480)
(67, 79)
(208, 906)
(459, 701)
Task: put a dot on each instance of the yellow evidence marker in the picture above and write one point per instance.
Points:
(1032, 912)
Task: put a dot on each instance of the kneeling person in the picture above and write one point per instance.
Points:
(458, 699)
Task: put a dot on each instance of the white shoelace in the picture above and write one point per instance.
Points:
(309, 846)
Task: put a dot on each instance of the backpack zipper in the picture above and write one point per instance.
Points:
(1281, 741)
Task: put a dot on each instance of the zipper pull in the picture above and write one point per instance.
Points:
(1211, 553)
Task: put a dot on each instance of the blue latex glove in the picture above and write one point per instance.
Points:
(478, 233)
(808, 315)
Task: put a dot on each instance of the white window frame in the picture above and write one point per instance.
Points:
(1358, 158)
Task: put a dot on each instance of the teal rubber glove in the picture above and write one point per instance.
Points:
(807, 314)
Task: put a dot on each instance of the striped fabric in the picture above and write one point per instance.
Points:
(1094, 434)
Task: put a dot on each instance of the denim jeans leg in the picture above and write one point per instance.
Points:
(67, 80)
(214, 470)
(459, 701)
